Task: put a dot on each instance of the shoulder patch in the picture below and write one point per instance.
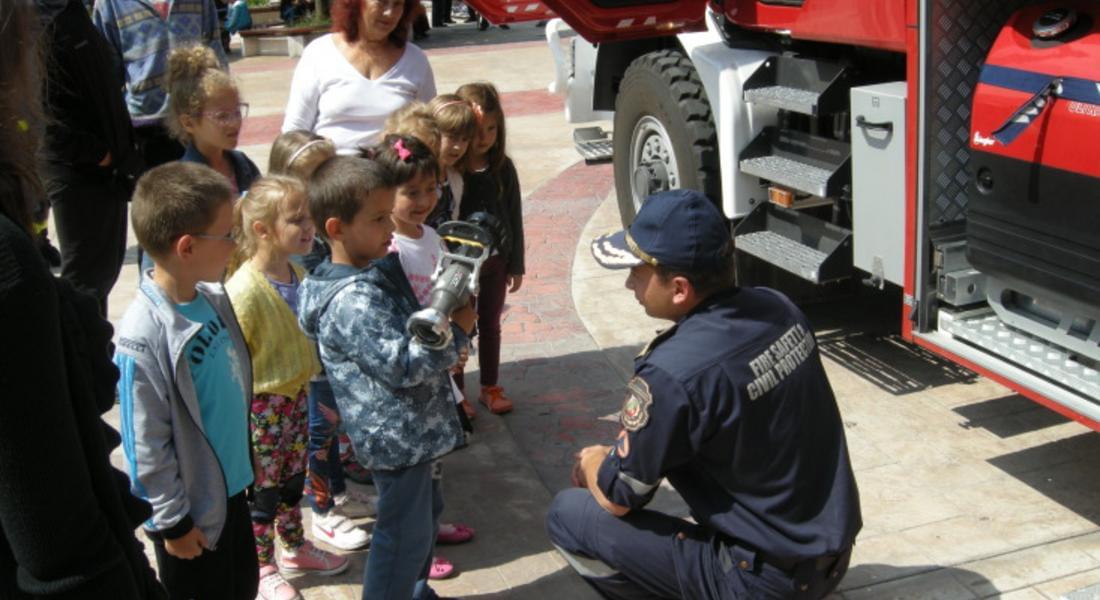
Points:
(635, 412)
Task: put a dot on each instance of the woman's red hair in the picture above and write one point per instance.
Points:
(347, 18)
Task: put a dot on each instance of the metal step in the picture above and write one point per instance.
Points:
(796, 242)
(807, 163)
(593, 143)
(982, 328)
(803, 85)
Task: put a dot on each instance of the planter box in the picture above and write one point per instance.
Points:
(265, 16)
(279, 41)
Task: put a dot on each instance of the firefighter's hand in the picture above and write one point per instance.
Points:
(189, 546)
(514, 282)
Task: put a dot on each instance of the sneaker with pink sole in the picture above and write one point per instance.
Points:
(313, 559)
(274, 587)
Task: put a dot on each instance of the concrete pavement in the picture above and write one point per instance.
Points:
(968, 490)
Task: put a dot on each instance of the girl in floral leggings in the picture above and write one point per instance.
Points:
(273, 223)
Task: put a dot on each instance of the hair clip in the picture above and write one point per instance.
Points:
(300, 151)
(438, 109)
(402, 152)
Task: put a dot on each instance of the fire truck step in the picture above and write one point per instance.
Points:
(801, 85)
(796, 242)
(593, 144)
(806, 163)
(982, 328)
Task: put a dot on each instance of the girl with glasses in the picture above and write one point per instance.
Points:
(205, 113)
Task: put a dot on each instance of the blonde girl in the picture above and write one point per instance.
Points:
(205, 113)
(298, 153)
(492, 185)
(456, 124)
(273, 224)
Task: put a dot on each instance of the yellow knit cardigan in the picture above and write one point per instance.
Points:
(283, 358)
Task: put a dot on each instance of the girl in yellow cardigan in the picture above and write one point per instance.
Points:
(273, 223)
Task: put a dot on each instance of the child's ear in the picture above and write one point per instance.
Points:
(184, 247)
(189, 123)
(334, 228)
(259, 229)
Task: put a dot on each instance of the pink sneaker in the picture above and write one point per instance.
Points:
(274, 587)
(313, 559)
(441, 569)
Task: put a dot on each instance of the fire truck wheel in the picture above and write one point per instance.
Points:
(664, 132)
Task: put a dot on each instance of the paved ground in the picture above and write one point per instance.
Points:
(968, 490)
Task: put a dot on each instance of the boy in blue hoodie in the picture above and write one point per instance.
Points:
(393, 393)
(184, 389)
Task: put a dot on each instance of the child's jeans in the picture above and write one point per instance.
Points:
(409, 504)
(326, 474)
(278, 426)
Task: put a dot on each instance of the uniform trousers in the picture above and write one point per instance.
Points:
(647, 554)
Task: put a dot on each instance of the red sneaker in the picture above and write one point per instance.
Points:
(493, 397)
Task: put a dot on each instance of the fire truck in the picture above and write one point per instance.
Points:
(949, 148)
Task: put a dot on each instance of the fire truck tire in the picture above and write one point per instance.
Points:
(664, 132)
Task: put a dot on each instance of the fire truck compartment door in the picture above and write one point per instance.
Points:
(878, 180)
(614, 20)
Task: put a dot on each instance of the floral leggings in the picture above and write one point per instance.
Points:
(279, 426)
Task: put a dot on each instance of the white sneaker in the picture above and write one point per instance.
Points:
(336, 530)
(355, 505)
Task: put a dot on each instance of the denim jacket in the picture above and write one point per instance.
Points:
(393, 393)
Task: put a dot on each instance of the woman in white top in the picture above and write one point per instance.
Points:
(349, 81)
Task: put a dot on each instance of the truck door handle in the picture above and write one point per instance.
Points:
(887, 126)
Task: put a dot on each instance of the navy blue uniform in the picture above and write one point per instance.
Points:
(733, 407)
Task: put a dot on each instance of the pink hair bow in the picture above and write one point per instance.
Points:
(402, 152)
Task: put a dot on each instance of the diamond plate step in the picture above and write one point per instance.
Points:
(789, 172)
(982, 328)
(593, 144)
(801, 161)
(782, 252)
(804, 85)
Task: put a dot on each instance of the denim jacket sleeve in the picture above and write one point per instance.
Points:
(369, 324)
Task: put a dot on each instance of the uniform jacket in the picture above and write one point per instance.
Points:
(733, 406)
(168, 457)
(394, 394)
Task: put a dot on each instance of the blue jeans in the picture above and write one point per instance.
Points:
(409, 505)
(326, 474)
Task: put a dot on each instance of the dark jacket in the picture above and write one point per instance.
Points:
(244, 170)
(499, 195)
(67, 518)
(86, 112)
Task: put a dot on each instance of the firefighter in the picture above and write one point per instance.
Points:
(732, 406)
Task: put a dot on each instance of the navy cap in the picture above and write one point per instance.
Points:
(680, 230)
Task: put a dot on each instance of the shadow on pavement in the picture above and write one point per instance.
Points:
(1065, 470)
(917, 582)
(1008, 416)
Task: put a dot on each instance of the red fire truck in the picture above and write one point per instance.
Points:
(950, 148)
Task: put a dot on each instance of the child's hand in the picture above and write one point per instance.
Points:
(465, 318)
(514, 282)
(189, 546)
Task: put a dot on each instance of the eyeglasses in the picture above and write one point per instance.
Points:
(226, 117)
(218, 238)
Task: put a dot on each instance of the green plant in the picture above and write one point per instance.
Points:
(261, 3)
(311, 19)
